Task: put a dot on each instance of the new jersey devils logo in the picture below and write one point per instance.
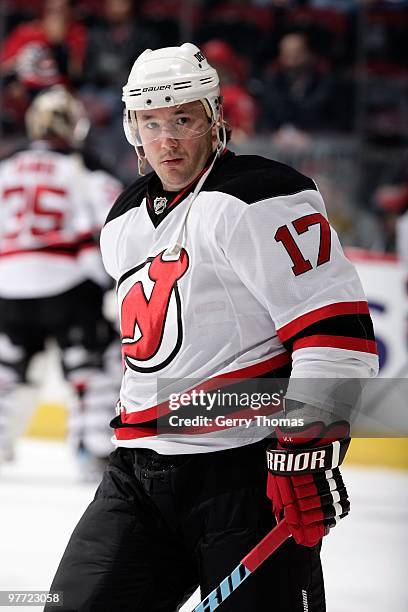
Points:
(150, 311)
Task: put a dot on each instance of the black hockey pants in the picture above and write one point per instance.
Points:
(160, 525)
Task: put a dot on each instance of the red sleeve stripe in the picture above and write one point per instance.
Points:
(148, 414)
(332, 310)
(340, 342)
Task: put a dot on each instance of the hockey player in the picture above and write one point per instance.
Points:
(226, 270)
(52, 279)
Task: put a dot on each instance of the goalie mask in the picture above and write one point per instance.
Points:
(170, 77)
(56, 113)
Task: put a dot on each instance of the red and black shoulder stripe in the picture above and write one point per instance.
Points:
(343, 325)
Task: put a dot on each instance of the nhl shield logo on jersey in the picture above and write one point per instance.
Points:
(150, 312)
(159, 205)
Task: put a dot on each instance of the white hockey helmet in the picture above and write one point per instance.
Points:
(172, 76)
(57, 113)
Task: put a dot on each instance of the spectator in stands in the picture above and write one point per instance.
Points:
(391, 203)
(239, 105)
(112, 46)
(239, 23)
(38, 54)
(46, 51)
(298, 90)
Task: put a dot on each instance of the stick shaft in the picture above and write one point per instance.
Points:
(248, 565)
(266, 546)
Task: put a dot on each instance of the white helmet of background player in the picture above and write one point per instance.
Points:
(57, 114)
(170, 77)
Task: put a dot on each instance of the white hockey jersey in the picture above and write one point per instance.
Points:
(258, 282)
(51, 210)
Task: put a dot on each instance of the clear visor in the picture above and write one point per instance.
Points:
(151, 128)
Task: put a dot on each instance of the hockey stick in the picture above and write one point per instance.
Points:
(245, 568)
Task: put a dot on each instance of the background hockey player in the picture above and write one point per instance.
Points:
(52, 279)
(226, 268)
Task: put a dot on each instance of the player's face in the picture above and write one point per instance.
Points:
(177, 142)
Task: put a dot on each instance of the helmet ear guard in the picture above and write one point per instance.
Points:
(130, 137)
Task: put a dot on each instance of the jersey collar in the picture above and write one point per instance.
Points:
(160, 203)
